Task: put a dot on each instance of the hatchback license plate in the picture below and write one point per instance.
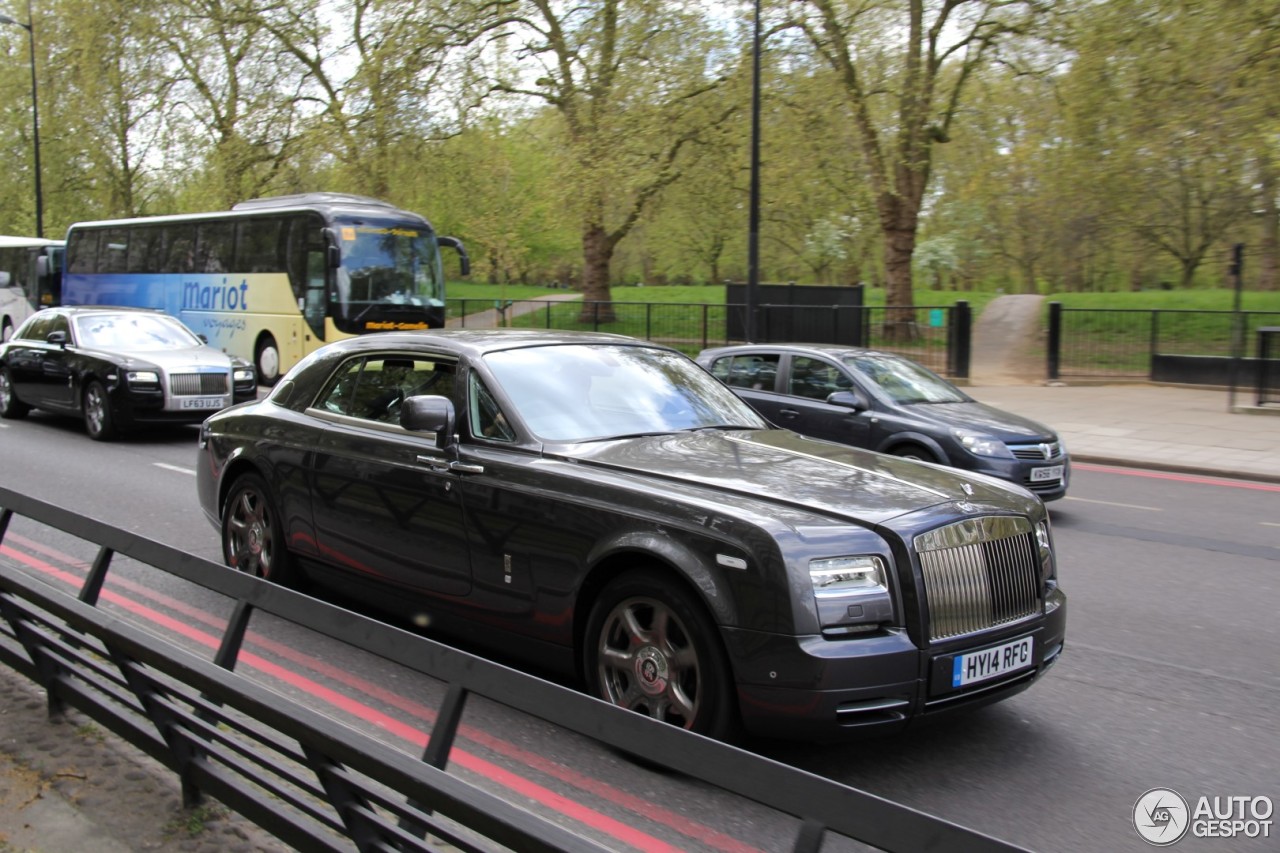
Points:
(204, 403)
(990, 663)
(1053, 472)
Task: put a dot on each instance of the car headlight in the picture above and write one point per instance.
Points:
(1044, 542)
(243, 374)
(852, 594)
(982, 445)
(142, 377)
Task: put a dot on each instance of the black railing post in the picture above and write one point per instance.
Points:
(962, 320)
(1054, 354)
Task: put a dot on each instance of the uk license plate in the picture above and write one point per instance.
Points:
(973, 667)
(1052, 472)
(204, 403)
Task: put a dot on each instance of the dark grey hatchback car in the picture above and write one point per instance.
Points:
(884, 402)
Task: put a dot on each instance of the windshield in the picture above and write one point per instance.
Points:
(600, 391)
(387, 264)
(903, 381)
(133, 332)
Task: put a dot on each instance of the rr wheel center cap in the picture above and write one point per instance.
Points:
(652, 671)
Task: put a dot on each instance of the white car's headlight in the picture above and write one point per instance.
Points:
(852, 594)
(982, 445)
(243, 374)
(143, 377)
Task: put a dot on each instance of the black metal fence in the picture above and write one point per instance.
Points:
(1268, 366)
(1192, 347)
(318, 784)
(936, 336)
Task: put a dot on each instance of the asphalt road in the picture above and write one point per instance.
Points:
(1170, 677)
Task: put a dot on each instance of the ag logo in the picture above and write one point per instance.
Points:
(1161, 817)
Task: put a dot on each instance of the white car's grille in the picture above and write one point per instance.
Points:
(980, 573)
(198, 384)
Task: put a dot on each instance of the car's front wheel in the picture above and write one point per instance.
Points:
(10, 406)
(98, 420)
(914, 451)
(252, 533)
(651, 648)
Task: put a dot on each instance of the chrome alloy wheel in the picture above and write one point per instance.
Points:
(250, 545)
(648, 662)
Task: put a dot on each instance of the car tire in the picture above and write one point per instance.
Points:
(650, 647)
(98, 420)
(252, 533)
(266, 361)
(914, 451)
(10, 406)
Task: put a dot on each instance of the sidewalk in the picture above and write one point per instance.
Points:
(1189, 430)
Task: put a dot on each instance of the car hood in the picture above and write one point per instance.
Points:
(985, 419)
(191, 359)
(819, 476)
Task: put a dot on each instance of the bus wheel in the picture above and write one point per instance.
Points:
(266, 359)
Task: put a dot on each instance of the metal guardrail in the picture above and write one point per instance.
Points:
(318, 784)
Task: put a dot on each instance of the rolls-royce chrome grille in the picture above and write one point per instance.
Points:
(978, 574)
(197, 384)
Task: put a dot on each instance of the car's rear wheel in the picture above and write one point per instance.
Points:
(10, 406)
(98, 421)
(252, 532)
(914, 451)
(651, 648)
(266, 359)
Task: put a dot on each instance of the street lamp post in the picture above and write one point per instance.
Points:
(35, 113)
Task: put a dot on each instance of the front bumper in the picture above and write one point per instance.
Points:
(822, 690)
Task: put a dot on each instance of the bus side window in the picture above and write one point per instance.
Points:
(181, 243)
(215, 246)
(82, 252)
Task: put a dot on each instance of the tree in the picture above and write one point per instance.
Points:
(904, 100)
(630, 80)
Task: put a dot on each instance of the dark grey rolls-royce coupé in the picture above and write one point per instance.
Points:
(605, 507)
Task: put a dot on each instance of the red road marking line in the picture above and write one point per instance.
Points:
(1199, 479)
(519, 785)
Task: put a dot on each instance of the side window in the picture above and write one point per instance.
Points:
(82, 251)
(146, 249)
(181, 241)
(486, 418)
(815, 378)
(258, 245)
(372, 388)
(37, 330)
(755, 371)
(114, 249)
(215, 244)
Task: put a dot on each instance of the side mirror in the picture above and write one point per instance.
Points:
(464, 260)
(429, 413)
(59, 338)
(848, 399)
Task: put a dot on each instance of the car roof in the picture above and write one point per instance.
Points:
(478, 342)
(76, 310)
(831, 350)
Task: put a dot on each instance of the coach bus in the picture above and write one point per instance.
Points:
(272, 278)
(30, 278)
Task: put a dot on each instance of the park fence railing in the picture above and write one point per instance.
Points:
(319, 784)
(937, 336)
(1177, 346)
